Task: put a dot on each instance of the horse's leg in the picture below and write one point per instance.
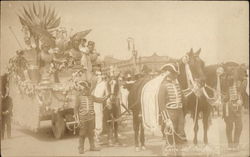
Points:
(115, 114)
(142, 137)
(196, 128)
(136, 128)
(205, 127)
(109, 126)
(162, 130)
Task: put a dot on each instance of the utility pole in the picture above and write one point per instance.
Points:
(130, 41)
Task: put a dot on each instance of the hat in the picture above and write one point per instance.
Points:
(169, 67)
(81, 35)
(83, 84)
(91, 43)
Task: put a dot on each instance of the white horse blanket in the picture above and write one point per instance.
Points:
(149, 103)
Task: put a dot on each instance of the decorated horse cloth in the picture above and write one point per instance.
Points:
(150, 104)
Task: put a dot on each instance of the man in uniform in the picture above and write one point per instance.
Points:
(232, 115)
(6, 107)
(85, 114)
(171, 103)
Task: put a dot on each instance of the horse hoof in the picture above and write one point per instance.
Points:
(143, 148)
(137, 149)
(195, 148)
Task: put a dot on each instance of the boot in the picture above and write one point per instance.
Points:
(81, 144)
(92, 144)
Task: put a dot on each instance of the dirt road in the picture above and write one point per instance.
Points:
(27, 143)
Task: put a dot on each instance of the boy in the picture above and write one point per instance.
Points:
(85, 114)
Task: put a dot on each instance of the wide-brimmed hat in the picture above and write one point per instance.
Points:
(80, 35)
(169, 67)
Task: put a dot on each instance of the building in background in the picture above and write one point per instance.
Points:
(153, 62)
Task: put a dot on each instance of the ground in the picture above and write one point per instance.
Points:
(27, 143)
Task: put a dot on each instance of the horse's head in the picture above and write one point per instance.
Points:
(233, 74)
(195, 64)
(113, 86)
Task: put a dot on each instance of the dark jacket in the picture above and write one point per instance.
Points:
(7, 106)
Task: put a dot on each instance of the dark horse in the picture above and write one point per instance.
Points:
(134, 104)
(207, 79)
(134, 97)
(197, 102)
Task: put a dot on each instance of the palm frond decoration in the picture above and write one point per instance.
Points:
(41, 21)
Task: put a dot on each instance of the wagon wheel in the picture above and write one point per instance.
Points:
(58, 125)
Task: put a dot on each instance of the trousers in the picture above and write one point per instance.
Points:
(87, 130)
(6, 122)
(177, 118)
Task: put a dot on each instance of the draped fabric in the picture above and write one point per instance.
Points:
(149, 103)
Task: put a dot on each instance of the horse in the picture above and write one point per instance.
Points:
(217, 77)
(134, 104)
(198, 101)
(112, 110)
(135, 93)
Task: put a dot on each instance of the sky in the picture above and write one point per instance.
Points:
(169, 28)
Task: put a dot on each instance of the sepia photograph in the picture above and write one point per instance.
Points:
(124, 78)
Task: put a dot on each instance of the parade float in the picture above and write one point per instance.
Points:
(44, 76)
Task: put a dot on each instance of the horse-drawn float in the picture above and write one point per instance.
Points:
(44, 75)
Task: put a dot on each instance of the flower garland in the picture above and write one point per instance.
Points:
(17, 64)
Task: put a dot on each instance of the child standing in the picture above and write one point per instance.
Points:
(84, 111)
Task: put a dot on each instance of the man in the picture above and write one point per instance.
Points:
(100, 90)
(75, 52)
(85, 114)
(7, 106)
(86, 61)
(232, 113)
(92, 52)
(170, 105)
